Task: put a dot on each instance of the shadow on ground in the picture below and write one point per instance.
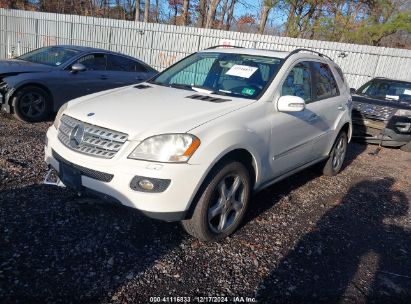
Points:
(273, 194)
(56, 247)
(356, 236)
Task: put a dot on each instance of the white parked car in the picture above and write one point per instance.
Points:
(194, 142)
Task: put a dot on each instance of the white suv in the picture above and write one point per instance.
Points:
(195, 141)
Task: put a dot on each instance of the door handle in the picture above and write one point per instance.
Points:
(312, 117)
(103, 77)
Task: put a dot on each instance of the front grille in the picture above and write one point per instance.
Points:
(373, 111)
(97, 141)
(101, 176)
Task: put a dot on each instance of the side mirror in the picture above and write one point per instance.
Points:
(78, 67)
(352, 91)
(290, 103)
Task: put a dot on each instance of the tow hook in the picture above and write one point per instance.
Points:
(52, 178)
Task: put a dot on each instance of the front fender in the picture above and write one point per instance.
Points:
(15, 82)
(212, 151)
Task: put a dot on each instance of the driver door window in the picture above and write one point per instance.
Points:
(298, 82)
(94, 62)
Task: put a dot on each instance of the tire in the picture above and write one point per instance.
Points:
(31, 104)
(335, 160)
(218, 201)
(406, 147)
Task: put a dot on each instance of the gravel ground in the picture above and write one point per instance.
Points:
(307, 239)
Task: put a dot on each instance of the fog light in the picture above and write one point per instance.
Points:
(146, 184)
(149, 184)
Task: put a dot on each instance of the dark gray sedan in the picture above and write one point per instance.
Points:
(39, 82)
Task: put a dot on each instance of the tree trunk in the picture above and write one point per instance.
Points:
(223, 12)
(264, 16)
(137, 17)
(157, 12)
(211, 13)
(146, 10)
(201, 13)
(230, 15)
(186, 5)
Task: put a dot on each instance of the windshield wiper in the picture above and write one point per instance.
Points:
(197, 88)
(179, 86)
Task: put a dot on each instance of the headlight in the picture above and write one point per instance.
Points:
(59, 114)
(403, 113)
(170, 148)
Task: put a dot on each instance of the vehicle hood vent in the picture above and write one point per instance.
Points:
(142, 86)
(207, 98)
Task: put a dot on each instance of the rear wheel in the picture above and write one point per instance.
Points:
(337, 155)
(406, 147)
(222, 203)
(31, 104)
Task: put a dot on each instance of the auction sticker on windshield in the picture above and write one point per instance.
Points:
(241, 71)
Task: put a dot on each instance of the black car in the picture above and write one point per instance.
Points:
(382, 113)
(39, 82)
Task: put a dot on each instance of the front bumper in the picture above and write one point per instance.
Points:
(170, 205)
(3, 105)
(378, 131)
(4, 99)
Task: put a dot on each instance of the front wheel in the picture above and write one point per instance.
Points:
(31, 104)
(222, 203)
(337, 155)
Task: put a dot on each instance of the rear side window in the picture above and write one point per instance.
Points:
(298, 82)
(124, 64)
(325, 85)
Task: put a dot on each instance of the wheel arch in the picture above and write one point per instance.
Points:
(347, 127)
(242, 155)
(29, 84)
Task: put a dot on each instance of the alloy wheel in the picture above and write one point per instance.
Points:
(229, 203)
(32, 104)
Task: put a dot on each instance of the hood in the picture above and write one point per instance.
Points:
(20, 66)
(152, 110)
(395, 104)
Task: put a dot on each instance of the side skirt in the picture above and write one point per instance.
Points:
(289, 173)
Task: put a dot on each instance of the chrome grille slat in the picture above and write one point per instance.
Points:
(97, 141)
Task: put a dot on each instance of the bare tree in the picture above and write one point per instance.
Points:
(186, 5)
(137, 18)
(267, 6)
(146, 10)
(211, 13)
(202, 13)
(157, 12)
(222, 15)
(230, 14)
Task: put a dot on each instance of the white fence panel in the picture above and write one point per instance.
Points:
(161, 45)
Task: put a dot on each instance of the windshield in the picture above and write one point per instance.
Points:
(221, 73)
(387, 90)
(52, 55)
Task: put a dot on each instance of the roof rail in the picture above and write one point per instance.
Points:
(226, 46)
(308, 50)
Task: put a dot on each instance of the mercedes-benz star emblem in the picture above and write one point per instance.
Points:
(76, 136)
